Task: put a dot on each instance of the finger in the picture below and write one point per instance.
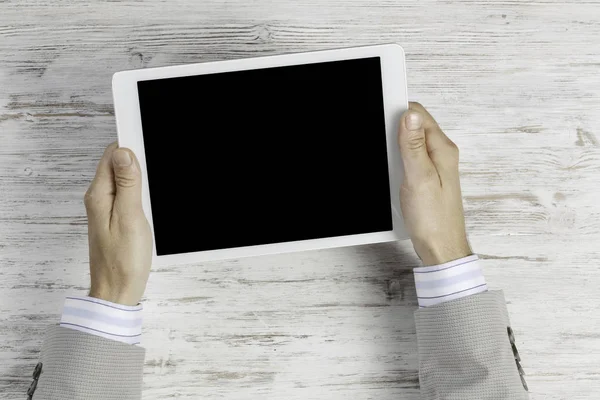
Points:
(99, 197)
(128, 184)
(442, 151)
(428, 121)
(413, 148)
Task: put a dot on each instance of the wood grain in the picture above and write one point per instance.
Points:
(515, 84)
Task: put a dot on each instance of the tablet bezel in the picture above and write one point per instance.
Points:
(395, 98)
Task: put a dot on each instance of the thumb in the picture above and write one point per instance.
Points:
(413, 148)
(128, 182)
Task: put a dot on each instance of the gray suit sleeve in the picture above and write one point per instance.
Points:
(76, 365)
(465, 351)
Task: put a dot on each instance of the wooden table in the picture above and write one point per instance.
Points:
(515, 84)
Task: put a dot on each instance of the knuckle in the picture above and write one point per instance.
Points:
(89, 199)
(416, 142)
(453, 150)
(126, 180)
(446, 155)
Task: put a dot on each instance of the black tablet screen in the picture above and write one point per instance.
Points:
(266, 155)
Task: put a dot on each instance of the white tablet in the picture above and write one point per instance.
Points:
(267, 155)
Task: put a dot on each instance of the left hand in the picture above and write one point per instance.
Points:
(119, 235)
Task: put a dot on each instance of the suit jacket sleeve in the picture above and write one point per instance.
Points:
(76, 365)
(466, 351)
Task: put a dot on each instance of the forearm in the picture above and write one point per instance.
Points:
(92, 354)
(77, 366)
(465, 349)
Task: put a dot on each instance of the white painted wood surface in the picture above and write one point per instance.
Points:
(515, 83)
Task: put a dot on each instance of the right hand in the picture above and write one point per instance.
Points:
(430, 195)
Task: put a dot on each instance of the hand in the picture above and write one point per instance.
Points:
(119, 235)
(430, 195)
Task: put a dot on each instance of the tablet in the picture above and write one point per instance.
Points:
(267, 155)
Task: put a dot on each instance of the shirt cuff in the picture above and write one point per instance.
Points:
(103, 318)
(449, 281)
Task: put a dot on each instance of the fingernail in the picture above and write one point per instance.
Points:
(121, 158)
(414, 121)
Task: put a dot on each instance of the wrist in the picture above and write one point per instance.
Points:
(114, 296)
(435, 254)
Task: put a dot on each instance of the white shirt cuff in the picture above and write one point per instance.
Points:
(449, 281)
(103, 318)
